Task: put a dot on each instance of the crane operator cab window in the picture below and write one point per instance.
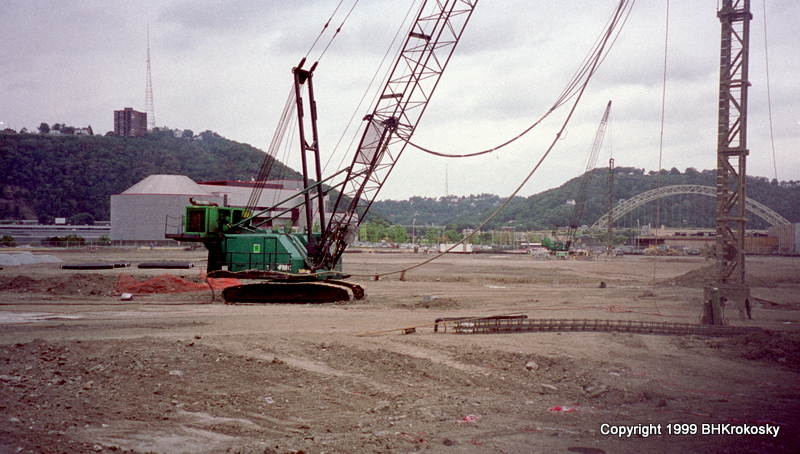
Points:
(195, 219)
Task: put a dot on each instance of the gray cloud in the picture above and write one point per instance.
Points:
(226, 66)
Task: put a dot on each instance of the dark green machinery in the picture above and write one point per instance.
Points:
(307, 266)
(277, 259)
(235, 246)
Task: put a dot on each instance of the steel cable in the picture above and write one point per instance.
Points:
(590, 69)
(585, 71)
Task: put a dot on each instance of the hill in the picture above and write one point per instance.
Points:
(555, 207)
(47, 176)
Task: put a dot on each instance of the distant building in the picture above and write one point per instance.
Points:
(788, 238)
(155, 205)
(130, 123)
(140, 213)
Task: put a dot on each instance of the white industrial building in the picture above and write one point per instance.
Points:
(151, 207)
(788, 238)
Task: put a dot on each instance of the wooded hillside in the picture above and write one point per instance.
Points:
(46, 176)
(557, 207)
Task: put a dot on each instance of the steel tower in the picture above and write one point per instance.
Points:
(730, 285)
(148, 96)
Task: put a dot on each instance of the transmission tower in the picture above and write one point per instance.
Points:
(730, 285)
(148, 96)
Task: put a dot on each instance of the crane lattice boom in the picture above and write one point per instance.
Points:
(411, 83)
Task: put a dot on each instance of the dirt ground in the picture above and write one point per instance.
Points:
(81, 370)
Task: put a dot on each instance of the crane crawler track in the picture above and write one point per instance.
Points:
(517, 325)
(288, 292)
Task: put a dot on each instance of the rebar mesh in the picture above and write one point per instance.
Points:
(511, 325)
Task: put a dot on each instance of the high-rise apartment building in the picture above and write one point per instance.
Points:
(130, 123)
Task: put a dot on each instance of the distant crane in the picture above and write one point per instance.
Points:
(561, 245)
(610, 234)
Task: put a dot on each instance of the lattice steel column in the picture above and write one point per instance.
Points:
(732, 152)
(148, 95)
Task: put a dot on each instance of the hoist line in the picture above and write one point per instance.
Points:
(338, 30)
(580, 81)
(569, 91)
(769, 92)
(577, 96)
(269, 159)
(324, 28)
(661, 135)
(355, 137)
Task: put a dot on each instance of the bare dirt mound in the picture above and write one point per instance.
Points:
(774, 347)
(167, 283)
(75, 284)
(698, 278)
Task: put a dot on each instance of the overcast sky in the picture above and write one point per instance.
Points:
(226, 67)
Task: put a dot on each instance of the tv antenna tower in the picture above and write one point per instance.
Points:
(148, 96)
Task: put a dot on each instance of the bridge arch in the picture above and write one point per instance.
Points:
(629, 205)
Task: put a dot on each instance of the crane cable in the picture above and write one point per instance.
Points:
(367, 91)
(270, 158)
(769, 95)
(769, 108)
(338, 30)
(325, 28)
(288, 112)
(586, 70)
(661, 141)
(593, 63)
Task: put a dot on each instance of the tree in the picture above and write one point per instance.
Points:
(374, 232)
(44, 128)
(451, 236)
(209, 135)
(398, 234)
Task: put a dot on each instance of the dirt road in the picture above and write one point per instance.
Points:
(83, 371)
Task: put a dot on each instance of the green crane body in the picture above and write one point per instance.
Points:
(306, 267)
(233, 246)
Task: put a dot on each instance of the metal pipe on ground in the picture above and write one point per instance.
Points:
(94, 266)
(166, 265)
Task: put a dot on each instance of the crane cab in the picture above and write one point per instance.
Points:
(207, 221)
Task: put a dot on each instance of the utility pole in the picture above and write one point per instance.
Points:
(730, 284)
